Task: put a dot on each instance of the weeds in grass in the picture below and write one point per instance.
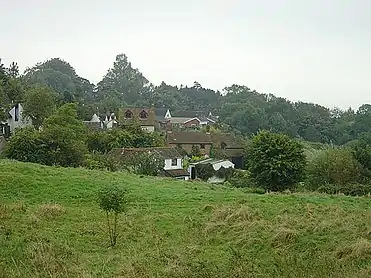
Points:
(232, 214)
(359, 250)
(284, 237)
(50, 210)
(4, 212)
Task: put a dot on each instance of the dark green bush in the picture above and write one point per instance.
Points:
(276, 162)
(361, 151)
(241, 178)
(204, 171)
(98, 161)
(224, 173)
(335, 166)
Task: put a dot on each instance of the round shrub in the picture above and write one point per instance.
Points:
(276, 162)
(204, 171)
(335, 166)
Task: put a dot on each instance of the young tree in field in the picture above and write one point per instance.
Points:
(276, 161)
(112, 199)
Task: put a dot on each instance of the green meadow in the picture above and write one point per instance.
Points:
(51, 226)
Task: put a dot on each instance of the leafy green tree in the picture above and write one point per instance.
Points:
(3, 106)
(122, 82)
(61, 150)
(65, 118)
(64, 136)
(361, 151)
(61, 77)
(39, 103)
(335, 166)
(276, 161)
(13, 70)
(113, 200)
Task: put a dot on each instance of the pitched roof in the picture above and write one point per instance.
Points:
(230, 140)
(180, 120)
(209, 161)
(149, 121)
(184, 137)
(190, 114)
(176, 173)
(207, 119)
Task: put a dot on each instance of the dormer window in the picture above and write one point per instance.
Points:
(128, 114)
(143, 115)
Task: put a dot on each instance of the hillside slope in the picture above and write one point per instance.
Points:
(50, 226)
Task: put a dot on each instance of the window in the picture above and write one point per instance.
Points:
(223, 145)
(174, 162)
(202, 146)
(143, 115)
(16, 112)
(128, 114)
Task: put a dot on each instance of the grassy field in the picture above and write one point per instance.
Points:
(51, 226)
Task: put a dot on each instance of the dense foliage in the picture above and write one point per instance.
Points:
(103, 141)
(204, 171)
(240, 108)
(65, 141)
(336, 166)
(60, 142)
(56, 99)
(276, 161)
(144, 163)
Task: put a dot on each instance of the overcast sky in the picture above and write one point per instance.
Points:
(315, 50)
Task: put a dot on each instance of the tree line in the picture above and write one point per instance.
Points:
(50, 84)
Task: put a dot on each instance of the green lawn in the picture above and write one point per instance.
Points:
(51, 226)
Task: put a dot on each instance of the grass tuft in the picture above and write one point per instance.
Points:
(359, 250)
(284, 237)
(50, 211)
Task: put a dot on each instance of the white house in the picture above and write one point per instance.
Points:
(16, 119)
(216, 163)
